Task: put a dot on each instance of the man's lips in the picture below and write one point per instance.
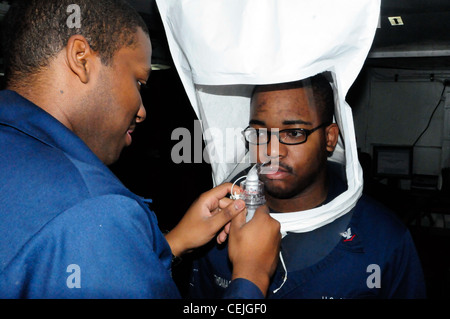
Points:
(132, 127)
(274, 171)
(129, 139)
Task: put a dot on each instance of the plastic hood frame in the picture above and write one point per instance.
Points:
(222, 48)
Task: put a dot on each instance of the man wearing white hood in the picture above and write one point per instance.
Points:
(336, 244)
(365, 253)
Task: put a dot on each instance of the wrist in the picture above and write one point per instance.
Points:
(260, 279)
(176, 245)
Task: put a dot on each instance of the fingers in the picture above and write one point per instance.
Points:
(224, 202)
(261, 209)
(237, 222)
(229, 212)
(221, 208)
(218, 193)
(222, 237)
(204, 219)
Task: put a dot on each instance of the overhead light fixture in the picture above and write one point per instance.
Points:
(395, 21)
(160, 55)
(4, 7)
(159, 66)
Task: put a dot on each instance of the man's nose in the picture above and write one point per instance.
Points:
(273, 147)
(141, 115)
(273, 150)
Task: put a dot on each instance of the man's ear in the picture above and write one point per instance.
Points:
(332, 136)
(80, 57)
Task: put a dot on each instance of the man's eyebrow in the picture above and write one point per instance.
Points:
(256, 122)
(286, 122)
(293, 122)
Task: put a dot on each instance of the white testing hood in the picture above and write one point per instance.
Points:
(222, 48)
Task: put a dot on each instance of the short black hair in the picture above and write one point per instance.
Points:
(35, 31)
(321, 88)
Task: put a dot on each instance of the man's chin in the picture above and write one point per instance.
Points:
(280, 192)
(112, 157)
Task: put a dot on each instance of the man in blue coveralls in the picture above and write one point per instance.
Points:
(366, 253)
(69, 227)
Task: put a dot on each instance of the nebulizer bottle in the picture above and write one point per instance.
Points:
(253, 195)
(252, 191)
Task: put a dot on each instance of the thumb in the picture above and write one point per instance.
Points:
(238, 222)
(228, 213)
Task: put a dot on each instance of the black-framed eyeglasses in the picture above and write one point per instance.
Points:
(292, 136)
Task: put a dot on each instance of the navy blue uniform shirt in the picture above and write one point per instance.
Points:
(69, 227)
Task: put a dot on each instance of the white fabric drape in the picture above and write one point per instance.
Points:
(222, 48)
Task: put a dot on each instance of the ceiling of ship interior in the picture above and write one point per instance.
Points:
(417, 37)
